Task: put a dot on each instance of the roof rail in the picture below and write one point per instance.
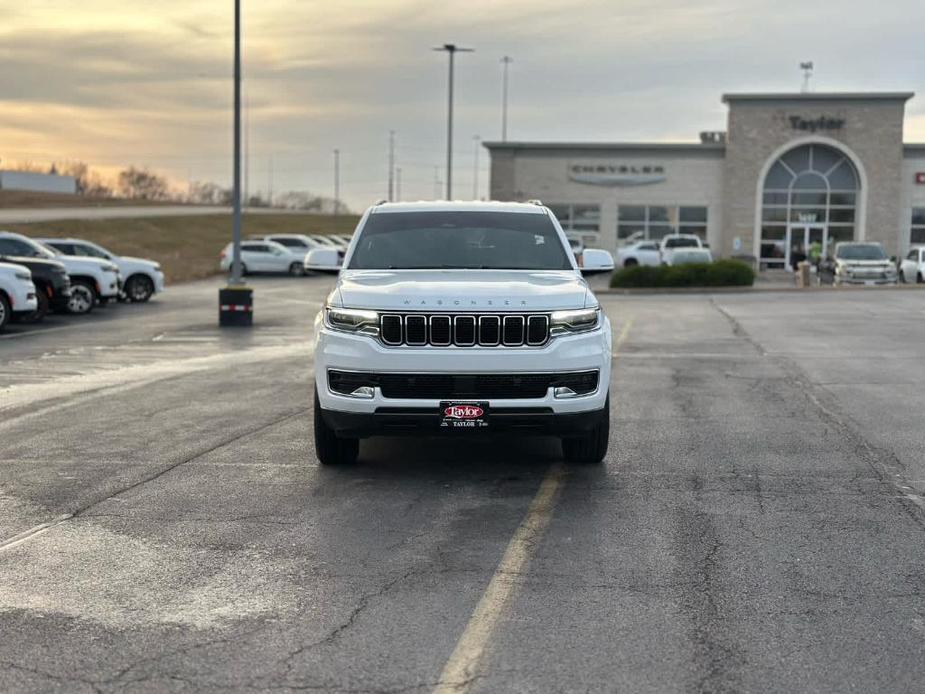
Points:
(535, 202)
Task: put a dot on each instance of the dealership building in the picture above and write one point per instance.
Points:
(789, 170)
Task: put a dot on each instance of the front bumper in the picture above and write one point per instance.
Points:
(22, 299)
(158, 282)
(860, 281)
(109, 285)
(399, 421)
(349, 352)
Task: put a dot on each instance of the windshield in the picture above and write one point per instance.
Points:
(867, 251)
(682, 243)
(459, 240)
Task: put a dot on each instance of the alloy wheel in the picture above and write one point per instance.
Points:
(81, 299)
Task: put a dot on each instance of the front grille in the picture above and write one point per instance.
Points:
(423, 386)
(483, 330)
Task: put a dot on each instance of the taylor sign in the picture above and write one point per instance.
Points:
(617, 174)
(815, 124)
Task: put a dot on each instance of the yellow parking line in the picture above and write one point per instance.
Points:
(621, 338)
(460, 669)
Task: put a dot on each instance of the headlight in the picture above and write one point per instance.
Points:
(352, 320)
(23, 276)
(577, 321)
(157, 267)
(109, 267)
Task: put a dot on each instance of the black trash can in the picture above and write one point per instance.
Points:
(236, 306)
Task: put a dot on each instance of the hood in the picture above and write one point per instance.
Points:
(137, 261)
(75, 263)
(462, 290)
(33, 263)
(885, 263)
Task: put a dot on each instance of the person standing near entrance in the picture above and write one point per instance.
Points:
(815, 252)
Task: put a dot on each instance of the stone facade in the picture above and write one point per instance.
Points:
(868, 128)
(727, 177)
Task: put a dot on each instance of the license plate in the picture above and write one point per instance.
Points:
(869, 282)
(463, 416)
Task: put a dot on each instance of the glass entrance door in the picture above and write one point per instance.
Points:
(806, 242)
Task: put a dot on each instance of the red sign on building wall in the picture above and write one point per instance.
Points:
(920, 178)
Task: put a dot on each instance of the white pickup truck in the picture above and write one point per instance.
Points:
(669, 244)
(460, 319)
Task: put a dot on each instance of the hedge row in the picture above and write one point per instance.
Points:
(722, 273)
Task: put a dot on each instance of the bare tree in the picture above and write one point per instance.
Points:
(143, 184)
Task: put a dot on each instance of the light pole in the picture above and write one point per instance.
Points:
(236, 188)
(475, 171)
(391, 165)
(398, 184)
(336, 182)
(451, 49)
(236, 301)
(506, 62)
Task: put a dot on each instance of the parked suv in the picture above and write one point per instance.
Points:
(858, 263)
(141, 278)
(461, 319)
(92, 280)
(52, 284)
(17, 292)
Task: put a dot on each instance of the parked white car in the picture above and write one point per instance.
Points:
(669, 244)
(296, 243)
(639, 253)
(17, 293)
(265, 256)
(92, 280)
(912, 267)
(454, 318)
(141, 278)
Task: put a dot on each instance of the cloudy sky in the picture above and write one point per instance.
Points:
(117, 82)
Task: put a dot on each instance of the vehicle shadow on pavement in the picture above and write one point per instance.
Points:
(453, 458)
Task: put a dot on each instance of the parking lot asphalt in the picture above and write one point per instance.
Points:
(757, 525)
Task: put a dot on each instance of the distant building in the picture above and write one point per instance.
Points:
(37, 182)
(789, 171)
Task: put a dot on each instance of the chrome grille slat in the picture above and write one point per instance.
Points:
(465, 330)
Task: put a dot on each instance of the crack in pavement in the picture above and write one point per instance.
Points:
(17, 540)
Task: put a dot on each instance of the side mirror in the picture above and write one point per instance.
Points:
(597, 260)
(322, 260)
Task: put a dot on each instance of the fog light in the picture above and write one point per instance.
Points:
(365, 392)
(564, 392)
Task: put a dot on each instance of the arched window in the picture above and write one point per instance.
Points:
(811, 192)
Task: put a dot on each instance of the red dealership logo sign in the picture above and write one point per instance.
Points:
(464, 412)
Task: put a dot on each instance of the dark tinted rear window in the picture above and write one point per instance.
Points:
(459, 240)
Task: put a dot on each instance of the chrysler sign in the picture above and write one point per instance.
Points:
(617, 174)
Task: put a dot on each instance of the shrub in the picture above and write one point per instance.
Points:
(722, 273)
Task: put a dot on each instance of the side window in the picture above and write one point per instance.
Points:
(913, 254)
(16, 247)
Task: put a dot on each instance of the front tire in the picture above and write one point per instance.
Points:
(329, 447)
(6, 312)
(297, 270)
(630, 262)
(591, 447)
(82, 297)
(919, 279)
(139, 288)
